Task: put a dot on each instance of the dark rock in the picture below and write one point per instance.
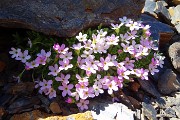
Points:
(65, 18)
(45, 108)
(136, 104)
(2, 66)
(23, 104)
(2, 112)
(148, 86)
(44, 100)
(176, 2)
(174, 54)
(124, 99)
(149, 111)
(5, 99)
(159, 31)
(25, 88)
(168, 82)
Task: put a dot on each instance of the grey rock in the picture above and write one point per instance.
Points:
(65, 18)
(168, 82)
(173, 118)
(177, 110)
(157, 9)
(148, 86)
(5, 99)
(149, 111)
(106, 110)
(174, 54)
(169, 112)
(175, 16)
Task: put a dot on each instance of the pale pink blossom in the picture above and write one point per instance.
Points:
(66, 89)
(82, 37)
(54, 70)
(63, 78)
(83, 104)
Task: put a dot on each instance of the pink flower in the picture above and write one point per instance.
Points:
(112, 40)
(123, 73)
(124, 38)
(116, 26)
(87, 93)
(77, 46)
(101, 32)
(153, 69)
(142, 73)
(63, 78)
(66, 89)
(69, 100)
(15, 52)
(82, 79)
(51, 93)
(112, 86)
(76, 95)
(41, 60)
(56, 47)
(64, 65)
(32, 64)
(132, 34)
(44, 54)
(54, 70)
(105, 63)
(45, 84)
(62, 49)
(129, 63)
(23, 56)
(66, 56)
(119, 82)
(98, 89)
(83, 104)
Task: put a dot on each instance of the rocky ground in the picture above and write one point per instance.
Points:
(156, 99)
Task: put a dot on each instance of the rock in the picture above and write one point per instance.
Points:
(55, 108)
(149, 111)
(38, 115)
(148, 86)
(124, 99)
(25, 88)
(136, 104)
(175, 16)
(159, 31)
(176, 2)
(2, 66)
(23, 104)
(134, 86)
(168, 82)
(65, 18)
(106, 110)
(157, 9)
(44, 100)
(173, 118)
(2, 112)
(5, 99)
(45, 108)
(176, 109)
(174, 54)
(169, 112)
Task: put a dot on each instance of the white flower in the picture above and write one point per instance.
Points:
(82, 37)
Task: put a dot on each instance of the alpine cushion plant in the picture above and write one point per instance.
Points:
(92, 62)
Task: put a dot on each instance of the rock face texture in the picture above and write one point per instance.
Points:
(65, 18)
(174, 54)
(168, 82)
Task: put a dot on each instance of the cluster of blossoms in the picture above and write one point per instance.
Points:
(96, 62)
